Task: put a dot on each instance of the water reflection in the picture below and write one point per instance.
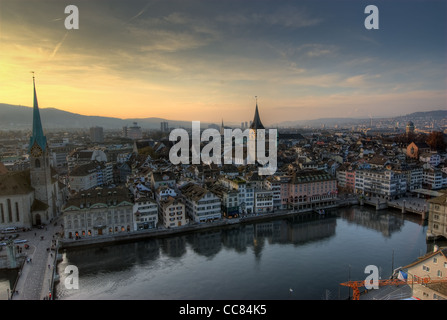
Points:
(294, 230)
(7, 280)
(274, 246)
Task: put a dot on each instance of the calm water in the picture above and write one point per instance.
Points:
(7, 280)
(254, 261)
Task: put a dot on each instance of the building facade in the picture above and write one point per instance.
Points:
(97, 212)
(432, 269)
(245, 192)
(309, 189)
(173, 212)
(437, 217)
(386, 184)
(145, 212)
(201, 204)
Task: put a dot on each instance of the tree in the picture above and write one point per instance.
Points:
(436, 141)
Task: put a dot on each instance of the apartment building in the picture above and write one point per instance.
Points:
(90, 175)
(428, 275)
(145, 212)
(434, 179)
(245, 190)
(386, 184)
(201, 204)
(278, 186)
(173, 212)
(263, 201)
(311, 189)
(437, 216)
(159, 178)
(228, 198)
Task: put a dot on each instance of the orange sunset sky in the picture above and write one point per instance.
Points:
(207, 60)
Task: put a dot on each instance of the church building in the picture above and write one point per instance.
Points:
(34, 196)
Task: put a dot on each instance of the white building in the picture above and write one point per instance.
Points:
(414, 178)
(263, 201)
(201, 204)
(434, 179)
(277, 185)
(431, 159)
(380, 183)
(164, 192)
(245, 191)
(90, 175)
(145, 212)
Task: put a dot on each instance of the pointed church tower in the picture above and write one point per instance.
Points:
(40, 170)
(254, 127)
(222, 128)
(256, 124)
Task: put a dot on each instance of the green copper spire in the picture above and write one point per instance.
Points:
(37, 135)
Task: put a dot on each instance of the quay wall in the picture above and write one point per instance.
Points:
(153, 233)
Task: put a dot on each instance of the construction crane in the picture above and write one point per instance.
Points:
(355, 285)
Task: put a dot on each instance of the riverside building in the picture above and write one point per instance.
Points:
(97, 212)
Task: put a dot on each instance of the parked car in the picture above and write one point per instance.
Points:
(20, 241)
(10, 230)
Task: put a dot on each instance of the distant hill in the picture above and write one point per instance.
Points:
(436, 114)
(20, 117)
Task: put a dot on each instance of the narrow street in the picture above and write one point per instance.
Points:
(34, 278)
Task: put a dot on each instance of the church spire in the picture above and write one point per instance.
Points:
(257, 124)
(37, 135)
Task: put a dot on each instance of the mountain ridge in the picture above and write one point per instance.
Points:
(20, 117)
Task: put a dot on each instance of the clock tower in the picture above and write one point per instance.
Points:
(40, 170)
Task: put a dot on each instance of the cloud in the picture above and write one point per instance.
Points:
(58, 46)
(283, 16)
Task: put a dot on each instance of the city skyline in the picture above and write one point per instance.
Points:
(207, 60)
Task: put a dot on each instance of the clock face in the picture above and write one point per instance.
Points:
(36, 151)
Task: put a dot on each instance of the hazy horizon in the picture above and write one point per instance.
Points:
(207, 60)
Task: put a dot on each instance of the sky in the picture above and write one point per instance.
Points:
(207, 60)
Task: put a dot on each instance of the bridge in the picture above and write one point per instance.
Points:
(405, 205)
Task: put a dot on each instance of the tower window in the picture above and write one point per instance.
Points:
(9, 210)
(17, 212)
(2, 213)
(37, 163)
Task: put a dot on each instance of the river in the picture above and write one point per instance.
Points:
(289, 258)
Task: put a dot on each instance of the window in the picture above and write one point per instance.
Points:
(425, 268)
(37, 163)
(9, 210)
(2, 212)
(435, 260)
(17, 212)
(439, 274)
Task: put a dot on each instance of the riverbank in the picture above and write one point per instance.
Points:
(194, 227)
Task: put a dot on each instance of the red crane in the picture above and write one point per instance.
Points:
(355, 285)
